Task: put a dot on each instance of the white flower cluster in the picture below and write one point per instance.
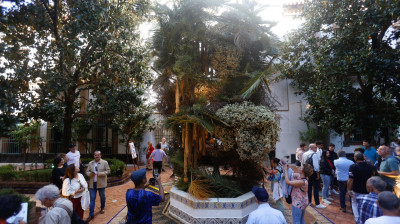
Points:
(253, 130)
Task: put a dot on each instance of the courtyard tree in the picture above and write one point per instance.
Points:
(206, 59)
(58, 49)
(344, 59)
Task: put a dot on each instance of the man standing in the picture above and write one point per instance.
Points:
(264, 213)
(389, 166)
(359, 173)
(97, 170)
(370, 151)
(320, 145)
(74, 156)
(139, 201)
(367, 203)
(332, 157)
(314, 180)
(61, 208)
(342, 165)
(158, 156)
(390, 206)
(165, 148)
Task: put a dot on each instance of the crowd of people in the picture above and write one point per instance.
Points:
(367, 179)
(70, 194)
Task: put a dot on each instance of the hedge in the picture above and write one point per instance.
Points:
(9, 173)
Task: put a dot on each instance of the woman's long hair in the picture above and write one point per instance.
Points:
(324, 157)
(70, 172)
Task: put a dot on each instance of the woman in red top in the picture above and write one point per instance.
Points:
(149, 151)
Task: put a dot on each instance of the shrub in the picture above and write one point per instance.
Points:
(48, 163)
(252, 132)
(86, 160)
(7, 172)
(117, 167)
(35, 175)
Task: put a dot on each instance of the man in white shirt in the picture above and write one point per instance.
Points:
(61, 208)
(264, 213)
(314, 180)
(390, 206)
(74, 156)
(165, 148)
(320, 145)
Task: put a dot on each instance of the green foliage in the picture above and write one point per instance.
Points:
(86, 160)
(43, 175)
(313, 134)
(54, 51)
(342, 59)
(7, 172)
(117, 167)
(252, 131)
(28, 135)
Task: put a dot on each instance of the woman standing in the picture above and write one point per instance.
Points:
(150, 149)
(275, 176)
(74, 186)
(299, 191)
(327, 170)
(58, 173)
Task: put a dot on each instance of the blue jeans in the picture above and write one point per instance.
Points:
(298, 215)
(327, 182)
(93, 192)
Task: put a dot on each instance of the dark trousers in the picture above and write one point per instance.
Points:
(313, 183)
(76, 204)
(343, 191)
(157, 165)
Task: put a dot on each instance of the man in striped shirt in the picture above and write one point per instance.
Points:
(367, 203)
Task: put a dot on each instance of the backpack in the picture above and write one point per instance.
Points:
(309, 160)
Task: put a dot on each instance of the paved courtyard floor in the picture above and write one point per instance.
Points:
(115, 210)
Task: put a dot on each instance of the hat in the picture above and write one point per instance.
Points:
(260, 193)
(71, 145)
(138, 175)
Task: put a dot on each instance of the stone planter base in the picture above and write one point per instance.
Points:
(188, 209)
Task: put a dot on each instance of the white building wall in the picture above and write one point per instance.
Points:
(291, 108)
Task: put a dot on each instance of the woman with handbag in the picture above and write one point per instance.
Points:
(299, 192)
(75, 188)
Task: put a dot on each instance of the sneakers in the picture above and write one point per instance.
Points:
(320, 206)
(326, 201)
(335, 192)
(330, 199)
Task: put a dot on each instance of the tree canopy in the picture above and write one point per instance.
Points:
(345, 60)
(55, 50)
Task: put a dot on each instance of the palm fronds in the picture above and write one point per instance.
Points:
(256, 80)
(200, 188)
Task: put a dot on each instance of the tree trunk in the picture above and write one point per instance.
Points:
(177, 95)
(67, 133)
(186, 152)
